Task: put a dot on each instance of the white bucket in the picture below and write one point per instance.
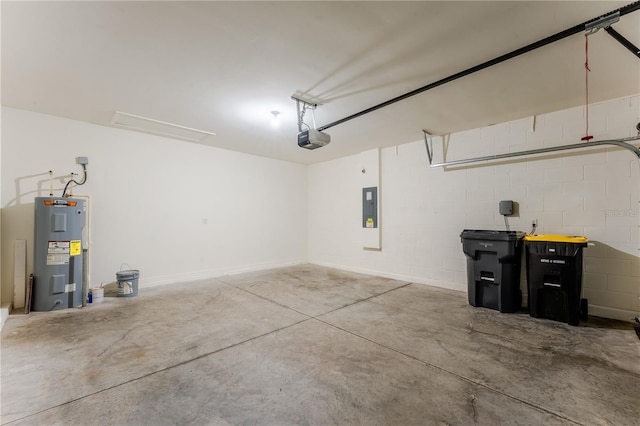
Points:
(97, 294)
(127, 283)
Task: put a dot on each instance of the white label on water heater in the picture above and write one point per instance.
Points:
(58, 253)
(70, 288)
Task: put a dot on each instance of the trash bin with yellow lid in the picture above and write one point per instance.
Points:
(554, 277)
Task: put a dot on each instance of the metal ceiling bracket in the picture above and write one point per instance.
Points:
(428, 143)
(604, 22)
(302, 106)
(622, 143)
(623, 41)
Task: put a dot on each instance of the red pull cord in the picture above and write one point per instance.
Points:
(586, 137)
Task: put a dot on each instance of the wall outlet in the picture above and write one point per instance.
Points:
(82, 160)
(534, 226)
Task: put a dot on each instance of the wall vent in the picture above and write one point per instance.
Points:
(156, 127)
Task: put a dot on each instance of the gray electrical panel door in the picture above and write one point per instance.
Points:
(370, 207)
(57, 253)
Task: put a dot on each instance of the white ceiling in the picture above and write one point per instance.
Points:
(221, 67)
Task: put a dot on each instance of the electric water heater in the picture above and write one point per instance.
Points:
(57, 259)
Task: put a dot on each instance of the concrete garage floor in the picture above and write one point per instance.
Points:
(310, 345)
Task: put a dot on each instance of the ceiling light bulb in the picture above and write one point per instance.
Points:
(274, 119)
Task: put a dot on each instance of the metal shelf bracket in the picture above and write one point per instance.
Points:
(622, 143)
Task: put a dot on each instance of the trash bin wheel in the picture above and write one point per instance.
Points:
(584, 309)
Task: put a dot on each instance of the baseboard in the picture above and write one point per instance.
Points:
(4, 313)
(264, 267)
(612, 313)
(400, 277)
(598, 311)
(212, 273)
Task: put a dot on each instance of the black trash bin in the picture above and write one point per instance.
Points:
(554, 276)
(493, 268)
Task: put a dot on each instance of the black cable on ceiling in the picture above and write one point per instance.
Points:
(632, 7)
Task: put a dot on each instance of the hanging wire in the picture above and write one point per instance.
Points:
(302, 110)
(587, 137)
(72, 180)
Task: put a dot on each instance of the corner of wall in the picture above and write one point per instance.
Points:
(595, 194)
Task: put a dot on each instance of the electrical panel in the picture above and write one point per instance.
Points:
(370, 226)
(370, 207)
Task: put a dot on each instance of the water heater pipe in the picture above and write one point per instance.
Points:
(86, 257)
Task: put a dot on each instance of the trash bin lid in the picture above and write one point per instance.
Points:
(550, 238)
(486, 234)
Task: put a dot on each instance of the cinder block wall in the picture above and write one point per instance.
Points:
(592, 192)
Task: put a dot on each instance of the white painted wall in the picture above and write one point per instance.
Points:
(177, 211)
(4, 306)
(593, 193)
(151, 197)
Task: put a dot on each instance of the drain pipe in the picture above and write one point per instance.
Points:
(85, 276)
(540, 43)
